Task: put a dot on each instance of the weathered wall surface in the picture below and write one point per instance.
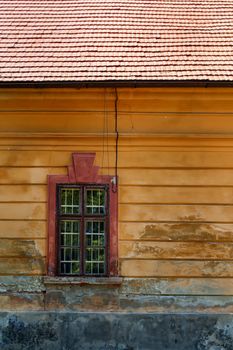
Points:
(111, 331)
(175, 195)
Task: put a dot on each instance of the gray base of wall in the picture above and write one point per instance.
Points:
(114, 331)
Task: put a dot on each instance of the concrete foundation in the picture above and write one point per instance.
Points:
(114, 331)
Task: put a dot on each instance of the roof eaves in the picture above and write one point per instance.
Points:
(116, 83)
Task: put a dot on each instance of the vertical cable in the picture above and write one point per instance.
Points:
(105, 143)
(106, 120)
(104, 124)
(114, 188)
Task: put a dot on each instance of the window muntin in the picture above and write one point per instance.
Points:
(82, 217)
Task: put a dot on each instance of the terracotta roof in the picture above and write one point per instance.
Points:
(102, 40)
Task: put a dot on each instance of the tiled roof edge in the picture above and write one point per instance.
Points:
(117, 83)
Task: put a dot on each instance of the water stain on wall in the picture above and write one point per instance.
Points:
(188, 231)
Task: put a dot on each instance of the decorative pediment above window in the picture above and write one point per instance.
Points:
(83, 168)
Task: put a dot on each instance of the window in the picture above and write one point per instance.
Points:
(82, 216)
(82, 221)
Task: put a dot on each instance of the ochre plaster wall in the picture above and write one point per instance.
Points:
(175, 189)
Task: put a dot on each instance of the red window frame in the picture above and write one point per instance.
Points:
(83, 172)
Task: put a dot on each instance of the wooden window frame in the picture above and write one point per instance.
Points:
(82, 172)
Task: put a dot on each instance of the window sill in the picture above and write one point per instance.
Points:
(83, 281)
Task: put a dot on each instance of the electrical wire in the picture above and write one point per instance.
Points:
(114, 188)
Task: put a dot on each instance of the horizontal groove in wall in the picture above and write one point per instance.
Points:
(176, 221)
(177, 204)
(23, 238)
(185, 260)
(24, 220)
(169, 186)
(222, 204)
(175, 168)
(122, 148)
(22, 257)
(26, 258)
(33, 167)
(124, 185)
(120, 112)
(173, 241)
(23, 202)
(66, 111)
(129, 186)
(175, 277)
(13, 274)
(111, 149)
(133, 203)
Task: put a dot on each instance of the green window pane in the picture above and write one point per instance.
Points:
(69, 247)
(95, 233)
(95, 201)
(75, 254)
(70, 201)
(75, 268)
(101, 268)
(95, 261)
(70, 268)
(76, 240)
(70, 233)
(66, 268)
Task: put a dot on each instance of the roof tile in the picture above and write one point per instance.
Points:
(77, 40)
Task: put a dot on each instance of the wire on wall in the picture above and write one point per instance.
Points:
(105, 141)
(115, 184)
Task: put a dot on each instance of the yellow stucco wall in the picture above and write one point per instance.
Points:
(175, 176)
